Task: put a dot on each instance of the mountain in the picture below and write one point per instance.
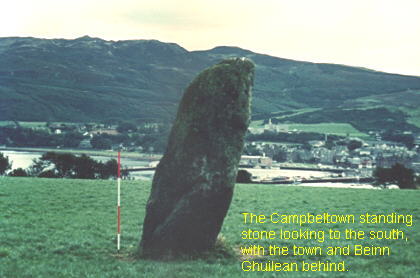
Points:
(90, 79)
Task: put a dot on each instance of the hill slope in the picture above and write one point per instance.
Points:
(90, 79)
(66, 228)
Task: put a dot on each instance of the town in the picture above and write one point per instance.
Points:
(341, 158)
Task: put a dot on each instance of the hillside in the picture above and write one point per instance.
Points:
(90, 79)
(67, 228)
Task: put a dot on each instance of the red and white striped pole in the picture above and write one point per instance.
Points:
(118, 202)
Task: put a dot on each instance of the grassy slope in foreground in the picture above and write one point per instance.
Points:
(66, 228)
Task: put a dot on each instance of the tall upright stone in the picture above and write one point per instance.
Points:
(193, 184)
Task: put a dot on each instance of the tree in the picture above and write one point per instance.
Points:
(398, 174)
(307, 146)
(100, 142)
(108, 169)
(354, 144)
(126, 127)
(407, 139)
(280, 156)
(37, 167)
(64, 163)
(48, 174)
(382, 175)
(251, 150)
(244, 176)
(5, 164)
(403, 176)
(72, 139)
(19, 172)
(85, 167)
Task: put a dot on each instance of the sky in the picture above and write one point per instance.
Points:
(382, 35)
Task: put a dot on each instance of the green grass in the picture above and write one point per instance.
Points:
(258, 123)
(66, 228)
(413, 115)
(6, 123)
(33, 124)
(341, 129)
(298, 112)
(405, 101)
(25, 124)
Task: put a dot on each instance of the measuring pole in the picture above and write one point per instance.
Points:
(118, 202)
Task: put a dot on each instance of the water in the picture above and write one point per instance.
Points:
(22, 159)
(262, 174)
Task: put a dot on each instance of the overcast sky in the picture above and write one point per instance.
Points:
(378, 34)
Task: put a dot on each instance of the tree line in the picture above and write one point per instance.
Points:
(64, 165)
(149, 139)
(397, 174)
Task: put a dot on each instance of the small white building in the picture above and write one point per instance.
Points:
(276, 127)
(255, 161)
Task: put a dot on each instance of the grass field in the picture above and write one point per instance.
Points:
(405, 101)
(5, 123)
(40, 125)
(66, 228)
(341, 129)
(260, 123)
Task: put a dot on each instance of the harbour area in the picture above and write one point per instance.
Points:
(273, 174)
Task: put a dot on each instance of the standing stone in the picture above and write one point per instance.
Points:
(193, 184)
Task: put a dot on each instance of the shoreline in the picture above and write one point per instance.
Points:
(132, 155)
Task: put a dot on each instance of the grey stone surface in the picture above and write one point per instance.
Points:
(194, 181)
